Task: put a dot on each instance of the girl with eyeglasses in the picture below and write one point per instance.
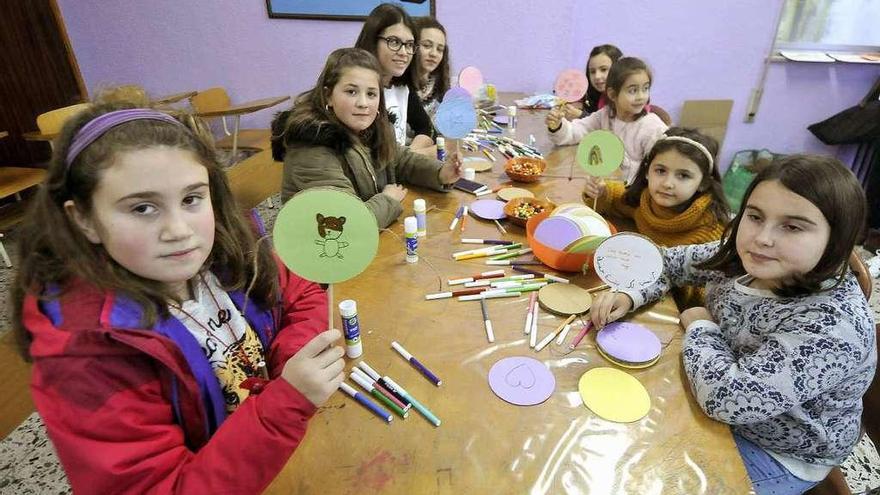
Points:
(390, 34)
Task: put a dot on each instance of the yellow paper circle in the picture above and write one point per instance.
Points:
(614, 395)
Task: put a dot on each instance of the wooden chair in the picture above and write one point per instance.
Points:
(14, 180)
(51, 122)
(254, 179)
(214, 102)
(835, 482)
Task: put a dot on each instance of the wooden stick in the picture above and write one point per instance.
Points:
(599, 288)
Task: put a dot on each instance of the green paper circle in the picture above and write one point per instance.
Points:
(609, 154)
(346, 247)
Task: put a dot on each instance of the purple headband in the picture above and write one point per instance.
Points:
(98, 126)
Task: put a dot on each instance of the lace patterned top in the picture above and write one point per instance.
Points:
(788, 373)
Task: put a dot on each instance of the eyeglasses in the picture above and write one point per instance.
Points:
(394, 44)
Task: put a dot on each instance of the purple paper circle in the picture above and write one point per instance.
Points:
(557, 232)
(523, 381)
(490, 209)
(628, 342)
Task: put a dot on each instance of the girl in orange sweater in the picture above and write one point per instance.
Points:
(676, 197)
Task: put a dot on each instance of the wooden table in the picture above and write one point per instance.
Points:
(39, 136)
(237, 111)
(484, 444)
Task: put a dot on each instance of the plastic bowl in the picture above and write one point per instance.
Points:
(513, 204)
(558, 260)
(511, 168)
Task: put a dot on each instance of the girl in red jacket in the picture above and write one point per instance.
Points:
(171, 353)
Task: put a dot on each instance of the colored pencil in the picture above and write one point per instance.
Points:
(378, 411)
(528, 327)
(580, 336)
(371, 389)
(454, 293)
(540, 274)
(457, 217)
(363, 374)
(416, 364)
(552, 335)
(486, 322)
(416, 404)
(485, 241)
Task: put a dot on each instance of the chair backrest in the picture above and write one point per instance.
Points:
(710, 117)
(52, 121)
(210, 100)
(254, 179)
(862, 274)
(663, 114)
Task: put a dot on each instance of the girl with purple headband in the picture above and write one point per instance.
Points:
(171, 352)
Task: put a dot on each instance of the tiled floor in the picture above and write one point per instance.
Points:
(28, 464)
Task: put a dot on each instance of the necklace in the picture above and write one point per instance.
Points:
(224, 316)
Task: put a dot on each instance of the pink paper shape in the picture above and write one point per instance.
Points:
(523, 381)
(470, 78)
(490, 209)
(628, 342)
(557, 232)
(571, 85)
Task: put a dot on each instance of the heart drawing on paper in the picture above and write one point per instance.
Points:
(520, 376)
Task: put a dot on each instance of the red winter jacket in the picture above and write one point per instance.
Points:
(128, 411)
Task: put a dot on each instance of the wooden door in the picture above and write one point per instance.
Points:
(38, 72)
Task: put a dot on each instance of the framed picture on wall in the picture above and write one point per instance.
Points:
(342, 10)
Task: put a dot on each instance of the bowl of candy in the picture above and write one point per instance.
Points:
(519, 210)
(525, 168)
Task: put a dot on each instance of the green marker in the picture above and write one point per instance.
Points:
(416, 404)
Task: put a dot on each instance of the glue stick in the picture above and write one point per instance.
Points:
(511, 118)
(421, 210)
(350, 328)
(441, 148)
(410, 228)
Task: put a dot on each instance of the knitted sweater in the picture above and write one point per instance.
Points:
(788, 373)
(662, 225)
(638, 136)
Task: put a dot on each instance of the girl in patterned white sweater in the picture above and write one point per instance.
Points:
(785, 348)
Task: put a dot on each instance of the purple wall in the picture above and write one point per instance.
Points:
(698, 50)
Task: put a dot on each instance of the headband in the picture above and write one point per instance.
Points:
(99, 126)
(694, 144)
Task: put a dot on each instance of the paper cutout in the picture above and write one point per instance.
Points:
(457, 94)
(600, 153)
(489, 209)
(571, 85)
(628, 261)
(455, 117)
(557, 232)
(477, 163)
(564, 299)
(326, 235)
(624, 364)
(614, 395)
(509, 193)
(470, 78)
(521, 380)
(629, 343)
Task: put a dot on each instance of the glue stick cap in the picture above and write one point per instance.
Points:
(348, 308)
(470, 174)
(410, 225)
(419, 205)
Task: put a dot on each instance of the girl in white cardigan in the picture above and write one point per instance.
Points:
(629, 89)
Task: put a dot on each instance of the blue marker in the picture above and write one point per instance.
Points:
(378, 411)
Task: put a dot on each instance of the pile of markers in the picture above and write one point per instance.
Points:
(389, 392)
(498, 252)
(486, 141)
(494, 284)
